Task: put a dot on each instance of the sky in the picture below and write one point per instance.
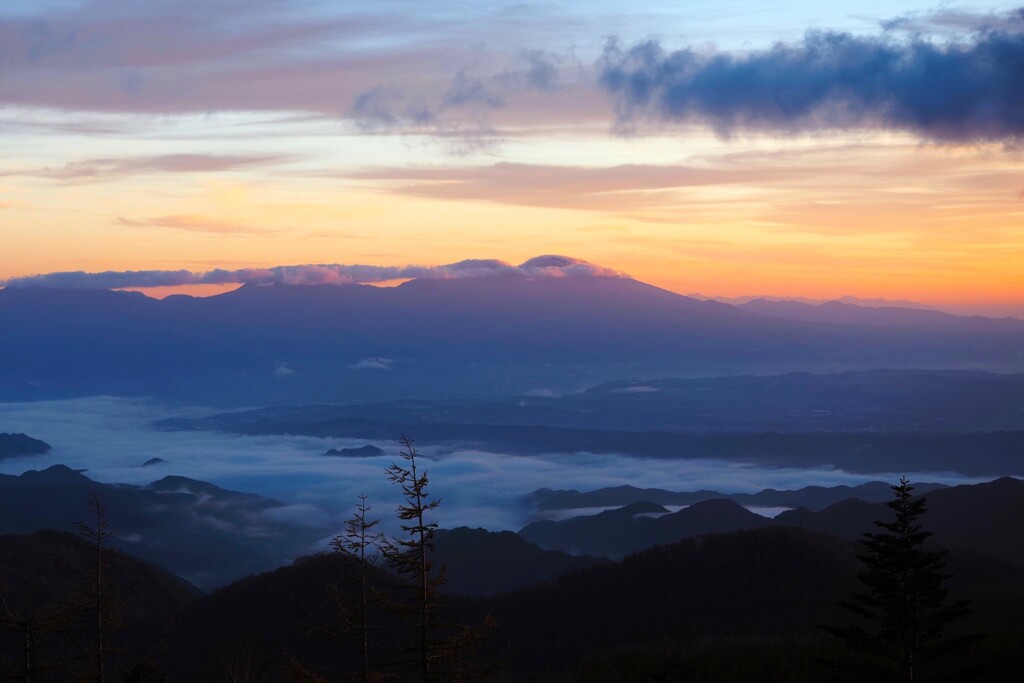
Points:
(791, 148)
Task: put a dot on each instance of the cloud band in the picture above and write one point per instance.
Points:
(314, 274)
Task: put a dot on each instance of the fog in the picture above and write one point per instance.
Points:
(111, 437)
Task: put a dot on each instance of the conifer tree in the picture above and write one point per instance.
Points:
(903, 607)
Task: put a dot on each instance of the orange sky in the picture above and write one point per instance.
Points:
(143, 146)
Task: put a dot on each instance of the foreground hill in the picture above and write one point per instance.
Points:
(45, 616)
(488, 336)
(478, 562)
(681, 600)
(47, 564)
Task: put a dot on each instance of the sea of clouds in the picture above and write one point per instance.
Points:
(110, 439)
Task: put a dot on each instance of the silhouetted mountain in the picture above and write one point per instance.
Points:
(462, 337)
(16, 445)
(367, 451)
(985, 518)
(637, 526)
(480, 562)
(197, 530)
(810, 497)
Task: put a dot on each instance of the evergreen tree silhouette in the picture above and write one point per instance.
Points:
(903, 607)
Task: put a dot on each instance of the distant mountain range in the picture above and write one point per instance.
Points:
(809, 497)
(638, 526)
(484, 337)
(855, 300)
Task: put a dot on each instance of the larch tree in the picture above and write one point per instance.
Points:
(98, 600)
(409, 556)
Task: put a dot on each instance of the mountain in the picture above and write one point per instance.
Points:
(17, 445)
(483, 337)
(983, 518)
(809, 497)
(204, 533)
(638, 526)
(848, 313)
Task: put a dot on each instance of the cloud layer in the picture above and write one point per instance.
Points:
(956, 91)
(315, 274)
(111, 437)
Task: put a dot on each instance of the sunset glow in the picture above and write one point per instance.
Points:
(161, 139)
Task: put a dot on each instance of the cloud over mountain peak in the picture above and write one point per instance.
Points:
(316, 274)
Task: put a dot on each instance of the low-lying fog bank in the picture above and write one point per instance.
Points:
(111, 438)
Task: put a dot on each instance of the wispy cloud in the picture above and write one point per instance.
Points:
(191, 223)
(612, 188)
(89, 170)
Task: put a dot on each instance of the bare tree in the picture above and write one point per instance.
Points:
(98, 599)
(409, 556)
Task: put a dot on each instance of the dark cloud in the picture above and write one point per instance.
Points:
(541, 69)
(957, 91)
(382, 109)
(314, 274)
(470, 90)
